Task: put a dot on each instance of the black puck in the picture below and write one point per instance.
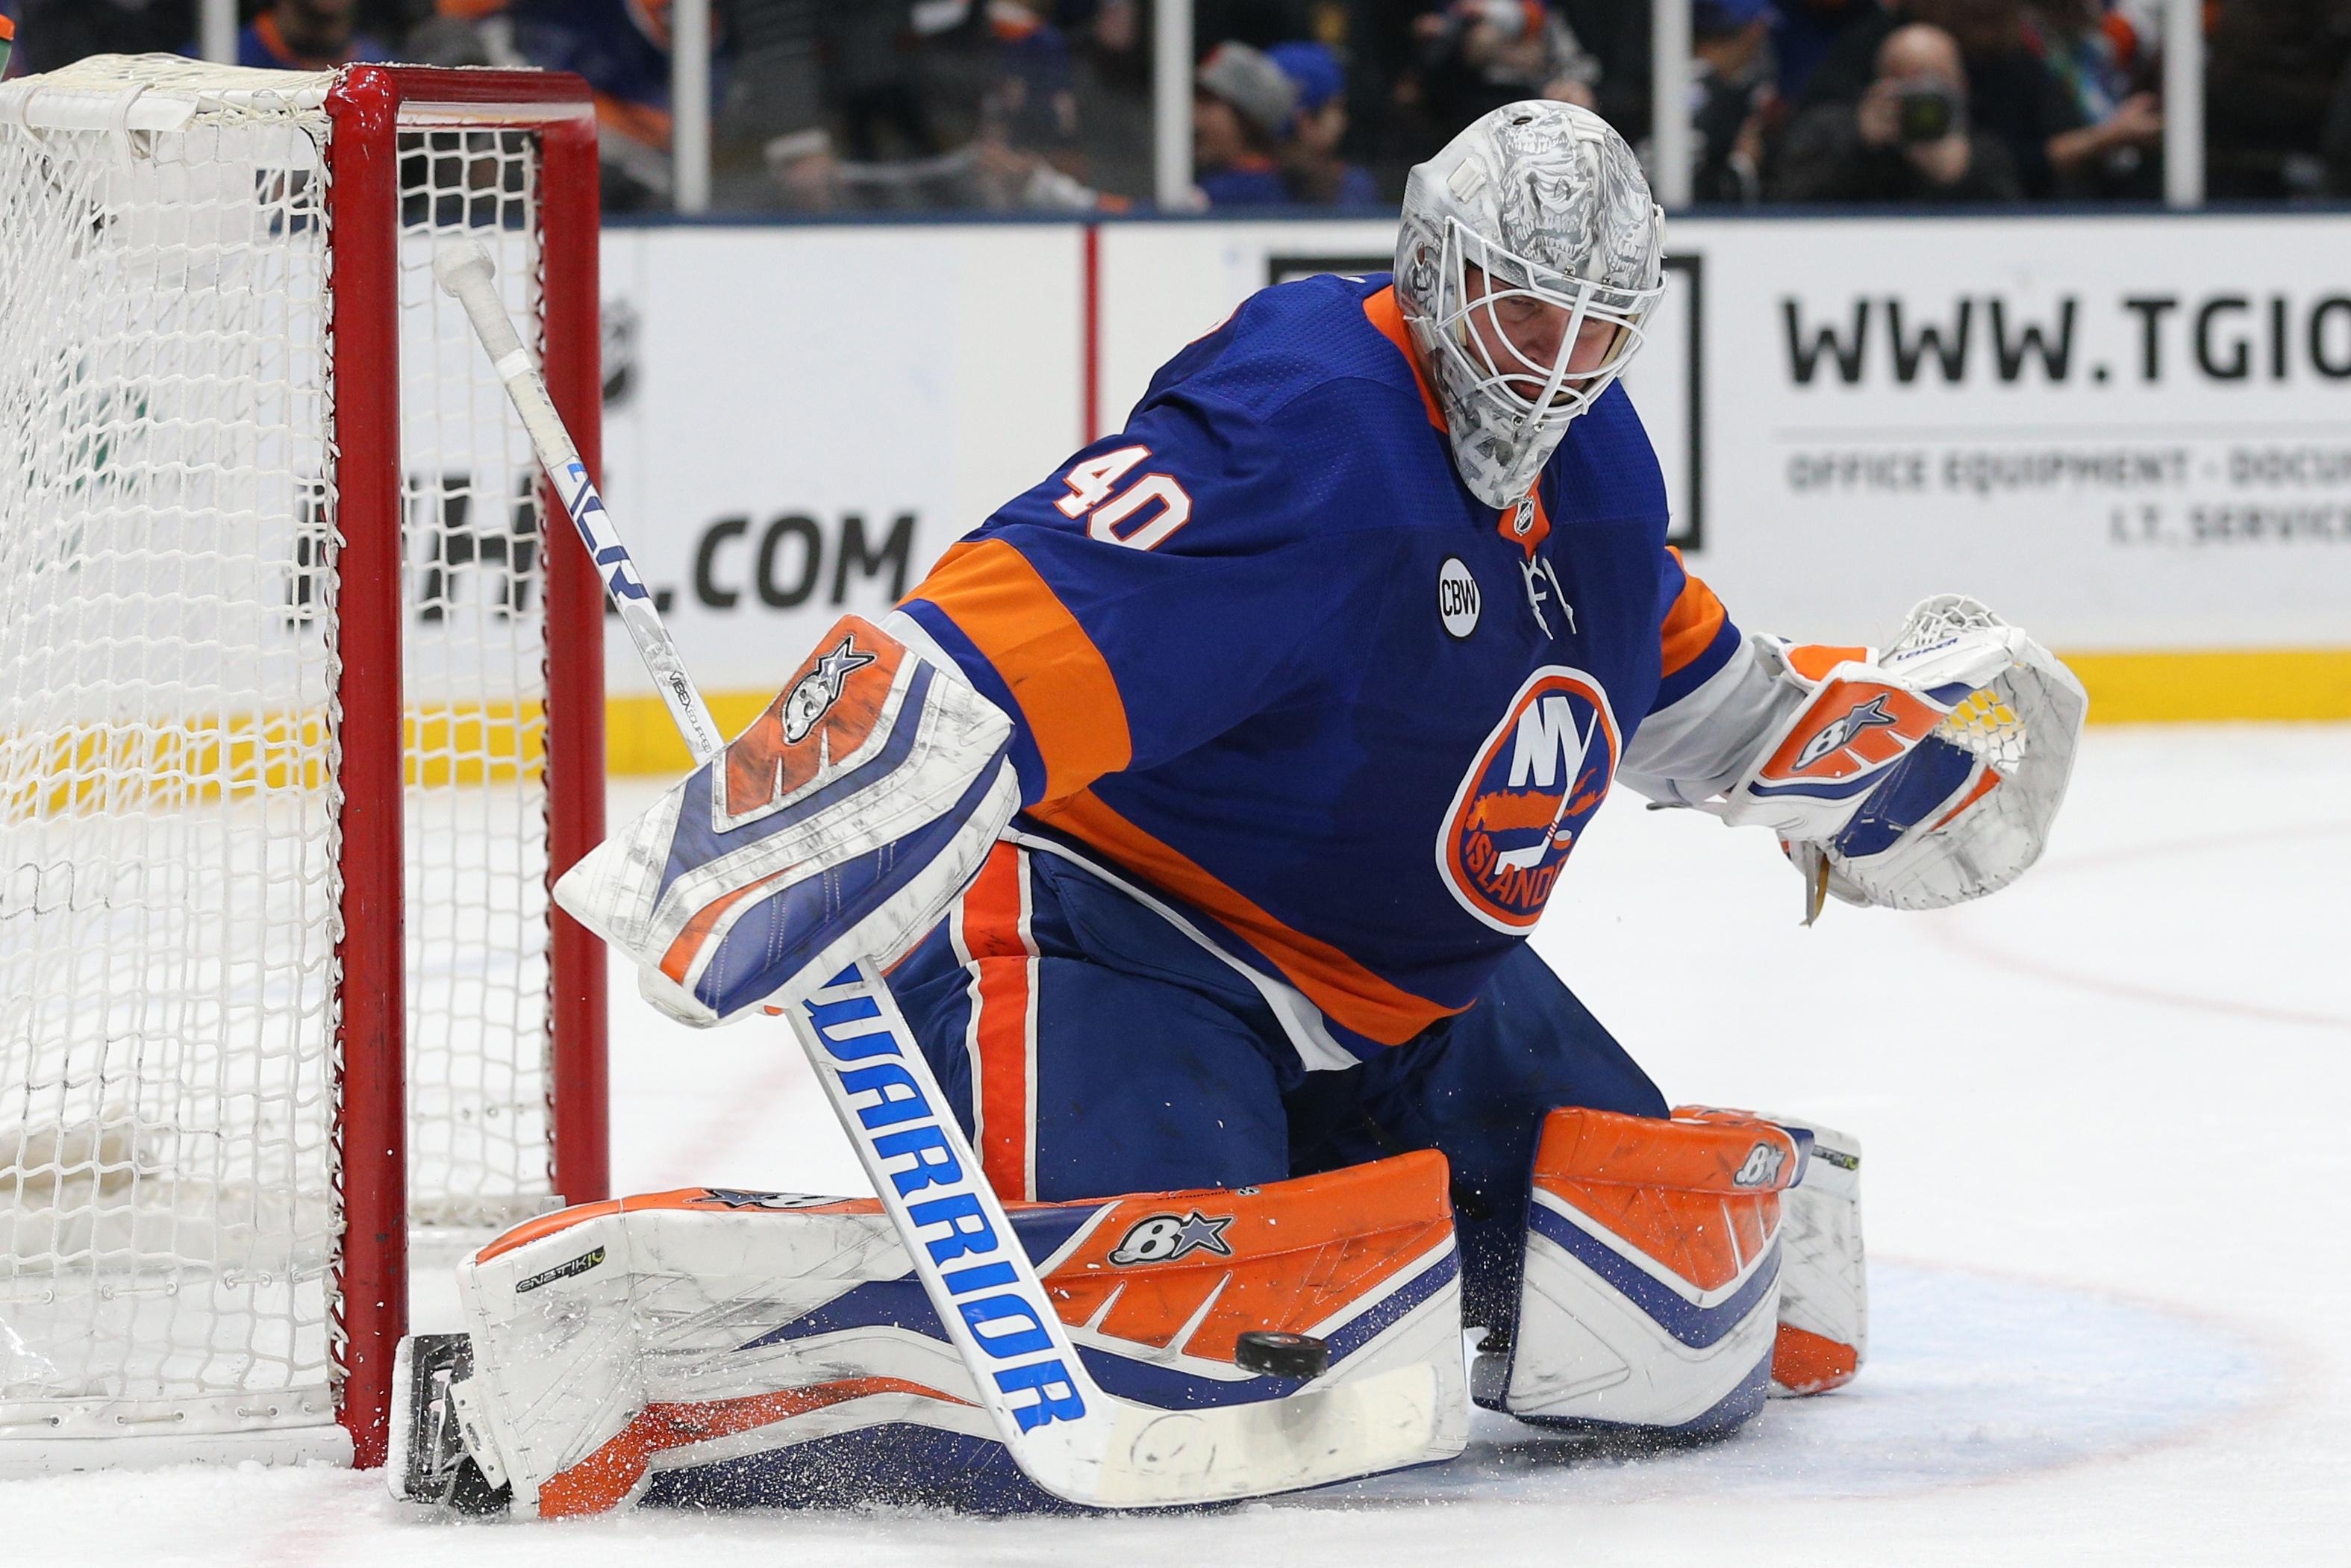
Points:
(1281, 1354)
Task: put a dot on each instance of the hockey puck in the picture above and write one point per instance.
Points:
(1281, 1354)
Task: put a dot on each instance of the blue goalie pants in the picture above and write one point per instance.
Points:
(1091, 1047)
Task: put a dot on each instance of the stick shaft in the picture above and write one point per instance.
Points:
(466, 273)
(475, 289)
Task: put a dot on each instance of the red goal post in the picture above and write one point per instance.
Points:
(367, 107)
(305, 717)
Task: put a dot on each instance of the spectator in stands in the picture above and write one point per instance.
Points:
(859, 137)
(1315, 172)
(53, 33)
(2092, 49)
(621, 48)
(305, 36)
(2270, 69)
(1033, 103)
(1730, 44)
(1479, 55)
(1908, 140)
(1028, 155)
(2095, 53)
(2052, 147)
(1242, 107)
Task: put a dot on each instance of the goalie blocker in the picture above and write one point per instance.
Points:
(838, 827)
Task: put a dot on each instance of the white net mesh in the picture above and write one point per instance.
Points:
(1985, 724)
(169, 859)
(476, 695)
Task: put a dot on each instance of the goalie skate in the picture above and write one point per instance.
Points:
(427, 1461)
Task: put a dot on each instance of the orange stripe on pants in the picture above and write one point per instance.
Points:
(992, 937)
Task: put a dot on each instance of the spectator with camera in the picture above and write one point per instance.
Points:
(2055, 147)
(1908, 140)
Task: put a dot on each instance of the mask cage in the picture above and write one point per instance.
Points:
(1509, 277)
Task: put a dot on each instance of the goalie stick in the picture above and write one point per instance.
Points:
(1066, 1434)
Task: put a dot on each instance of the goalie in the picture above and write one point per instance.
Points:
(1204, 798)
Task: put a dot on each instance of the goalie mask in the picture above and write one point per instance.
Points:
(1534, 220)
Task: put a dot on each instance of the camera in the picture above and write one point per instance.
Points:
(1927, 111)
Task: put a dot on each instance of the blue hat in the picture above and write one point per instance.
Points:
(1314, 69)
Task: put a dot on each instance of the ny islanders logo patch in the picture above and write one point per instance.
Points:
(1535, 782)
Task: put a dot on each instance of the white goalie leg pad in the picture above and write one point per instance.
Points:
(558, 1367)
(1824, 1274)
(614, 1340)
(839, 826)
(1650, 1295)
(618, 1344)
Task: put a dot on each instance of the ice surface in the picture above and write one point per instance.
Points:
(2105, 1148)
(1970, 1378)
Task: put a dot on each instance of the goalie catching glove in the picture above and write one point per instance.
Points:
(1922, 777)
(839, 826)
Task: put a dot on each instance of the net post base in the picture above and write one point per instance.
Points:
(21, 1458)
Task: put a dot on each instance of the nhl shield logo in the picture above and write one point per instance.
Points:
(1535, 783)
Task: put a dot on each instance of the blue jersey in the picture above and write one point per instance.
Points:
(1274, 668)
(622, 48)
(1252, 183)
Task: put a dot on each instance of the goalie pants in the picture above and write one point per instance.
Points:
(1092, 1048)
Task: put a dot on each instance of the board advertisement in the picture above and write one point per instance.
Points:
(798, 420)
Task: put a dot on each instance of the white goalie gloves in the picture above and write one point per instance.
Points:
(1921, 776)
(837, 826)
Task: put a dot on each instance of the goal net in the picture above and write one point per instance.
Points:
(282, 777)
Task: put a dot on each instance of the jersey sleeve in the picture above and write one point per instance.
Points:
(1164, 585)
(1716, 698)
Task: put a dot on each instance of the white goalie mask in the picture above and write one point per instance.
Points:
(1545, 204)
